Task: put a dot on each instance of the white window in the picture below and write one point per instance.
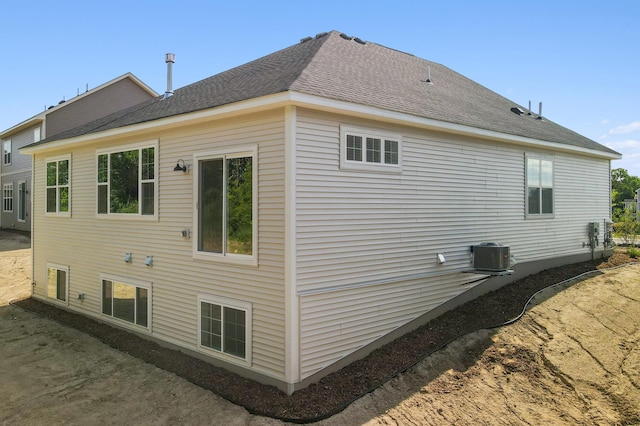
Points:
(368, 149)
(225, 216)
(58, 282)
(22, 200)
(127, 300)
(36, 134)
(225, 328)
(539, 198)
(58, 188)
(6, 152)
(7, 197)
(126, 181)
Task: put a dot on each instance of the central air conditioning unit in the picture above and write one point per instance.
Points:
(492, 257)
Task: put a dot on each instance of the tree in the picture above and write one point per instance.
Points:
(623, 186)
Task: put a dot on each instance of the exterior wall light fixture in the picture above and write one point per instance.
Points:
(178, 167)
(149, 261)
(127, 257)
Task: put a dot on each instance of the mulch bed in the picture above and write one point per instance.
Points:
(336, 391)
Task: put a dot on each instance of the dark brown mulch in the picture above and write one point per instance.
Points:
(335, 391)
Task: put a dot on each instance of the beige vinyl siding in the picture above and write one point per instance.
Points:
(363, 237)
(91, 245)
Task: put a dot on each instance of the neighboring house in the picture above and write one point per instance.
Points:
(287, 216)
(15, 168)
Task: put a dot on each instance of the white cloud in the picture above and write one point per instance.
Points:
(628, 144)
(630, 150)
(605, 121)
(627, 128)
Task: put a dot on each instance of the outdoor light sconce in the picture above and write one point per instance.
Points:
(441, 259)
(179, 168)
(127, 257)
(149, 261)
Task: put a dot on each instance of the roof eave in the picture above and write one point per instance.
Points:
(40, 117)
(318, 103)
(364, 111)
(30, 122)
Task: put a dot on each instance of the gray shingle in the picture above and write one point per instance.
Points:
(369, 74)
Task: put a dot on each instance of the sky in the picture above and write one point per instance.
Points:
(580, 58)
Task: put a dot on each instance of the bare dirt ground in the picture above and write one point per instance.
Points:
(574, 358)
(15, 267)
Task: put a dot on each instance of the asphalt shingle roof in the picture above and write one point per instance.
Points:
(339, 68)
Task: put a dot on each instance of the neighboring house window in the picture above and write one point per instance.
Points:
(7, 197)
(225, 327)
(36, 134)
(226, 205)
(58, 185)
(6, 152)
(126, 301)
(126, 182)
(57, 282)
(22, 200)
(539, 186)
(368, 149)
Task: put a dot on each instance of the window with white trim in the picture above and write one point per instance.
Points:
(126, 301)
(58, 282)
(225, 214)
(540, 186)
(7, 197)
(225, 327)
(126, 181)
(22, 201)
(6, 152)
(36, 134)
(370, 149)
(58, 188)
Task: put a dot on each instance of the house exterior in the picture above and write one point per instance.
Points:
(288, 216)
(15, 168)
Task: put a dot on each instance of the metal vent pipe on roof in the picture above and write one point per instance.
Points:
(540, 111)
(170, 59)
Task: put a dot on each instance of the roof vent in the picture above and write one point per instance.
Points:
(170, 59)
(306, 39)
(428, 80)
(540, 111)
(346, 37)
(357, 40)
(320, 35)
(517, 110)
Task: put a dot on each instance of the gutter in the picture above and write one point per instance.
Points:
(292, 98)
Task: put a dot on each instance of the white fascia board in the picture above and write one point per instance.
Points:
(329, 105)
(40, 117)
(175, 121)
(36, 119)
(323, 104)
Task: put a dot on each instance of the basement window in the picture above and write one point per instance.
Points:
(126, 301)
(225, 327)
(58, 282)
(368, 149)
